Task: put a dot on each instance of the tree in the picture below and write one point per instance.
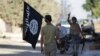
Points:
(11, 11)
(93, 6)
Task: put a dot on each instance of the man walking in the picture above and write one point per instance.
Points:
(48, 36)
(76, 34)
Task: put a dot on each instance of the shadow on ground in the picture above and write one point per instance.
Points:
(17, 47)
(25, 53)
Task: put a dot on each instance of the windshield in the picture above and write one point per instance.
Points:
(64, 22)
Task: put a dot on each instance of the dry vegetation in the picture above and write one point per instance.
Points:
(11, 11)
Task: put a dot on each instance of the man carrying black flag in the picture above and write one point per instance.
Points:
(31, 24)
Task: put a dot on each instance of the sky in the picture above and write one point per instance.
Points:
(76, 8)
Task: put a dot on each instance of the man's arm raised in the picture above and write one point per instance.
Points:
(68, 19)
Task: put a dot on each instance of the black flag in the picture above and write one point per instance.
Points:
(32, 21)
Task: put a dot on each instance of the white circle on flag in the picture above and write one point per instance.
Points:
(33, 26)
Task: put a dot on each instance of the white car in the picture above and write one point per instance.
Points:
(66, 25)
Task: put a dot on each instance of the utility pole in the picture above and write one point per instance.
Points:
(64, 10)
